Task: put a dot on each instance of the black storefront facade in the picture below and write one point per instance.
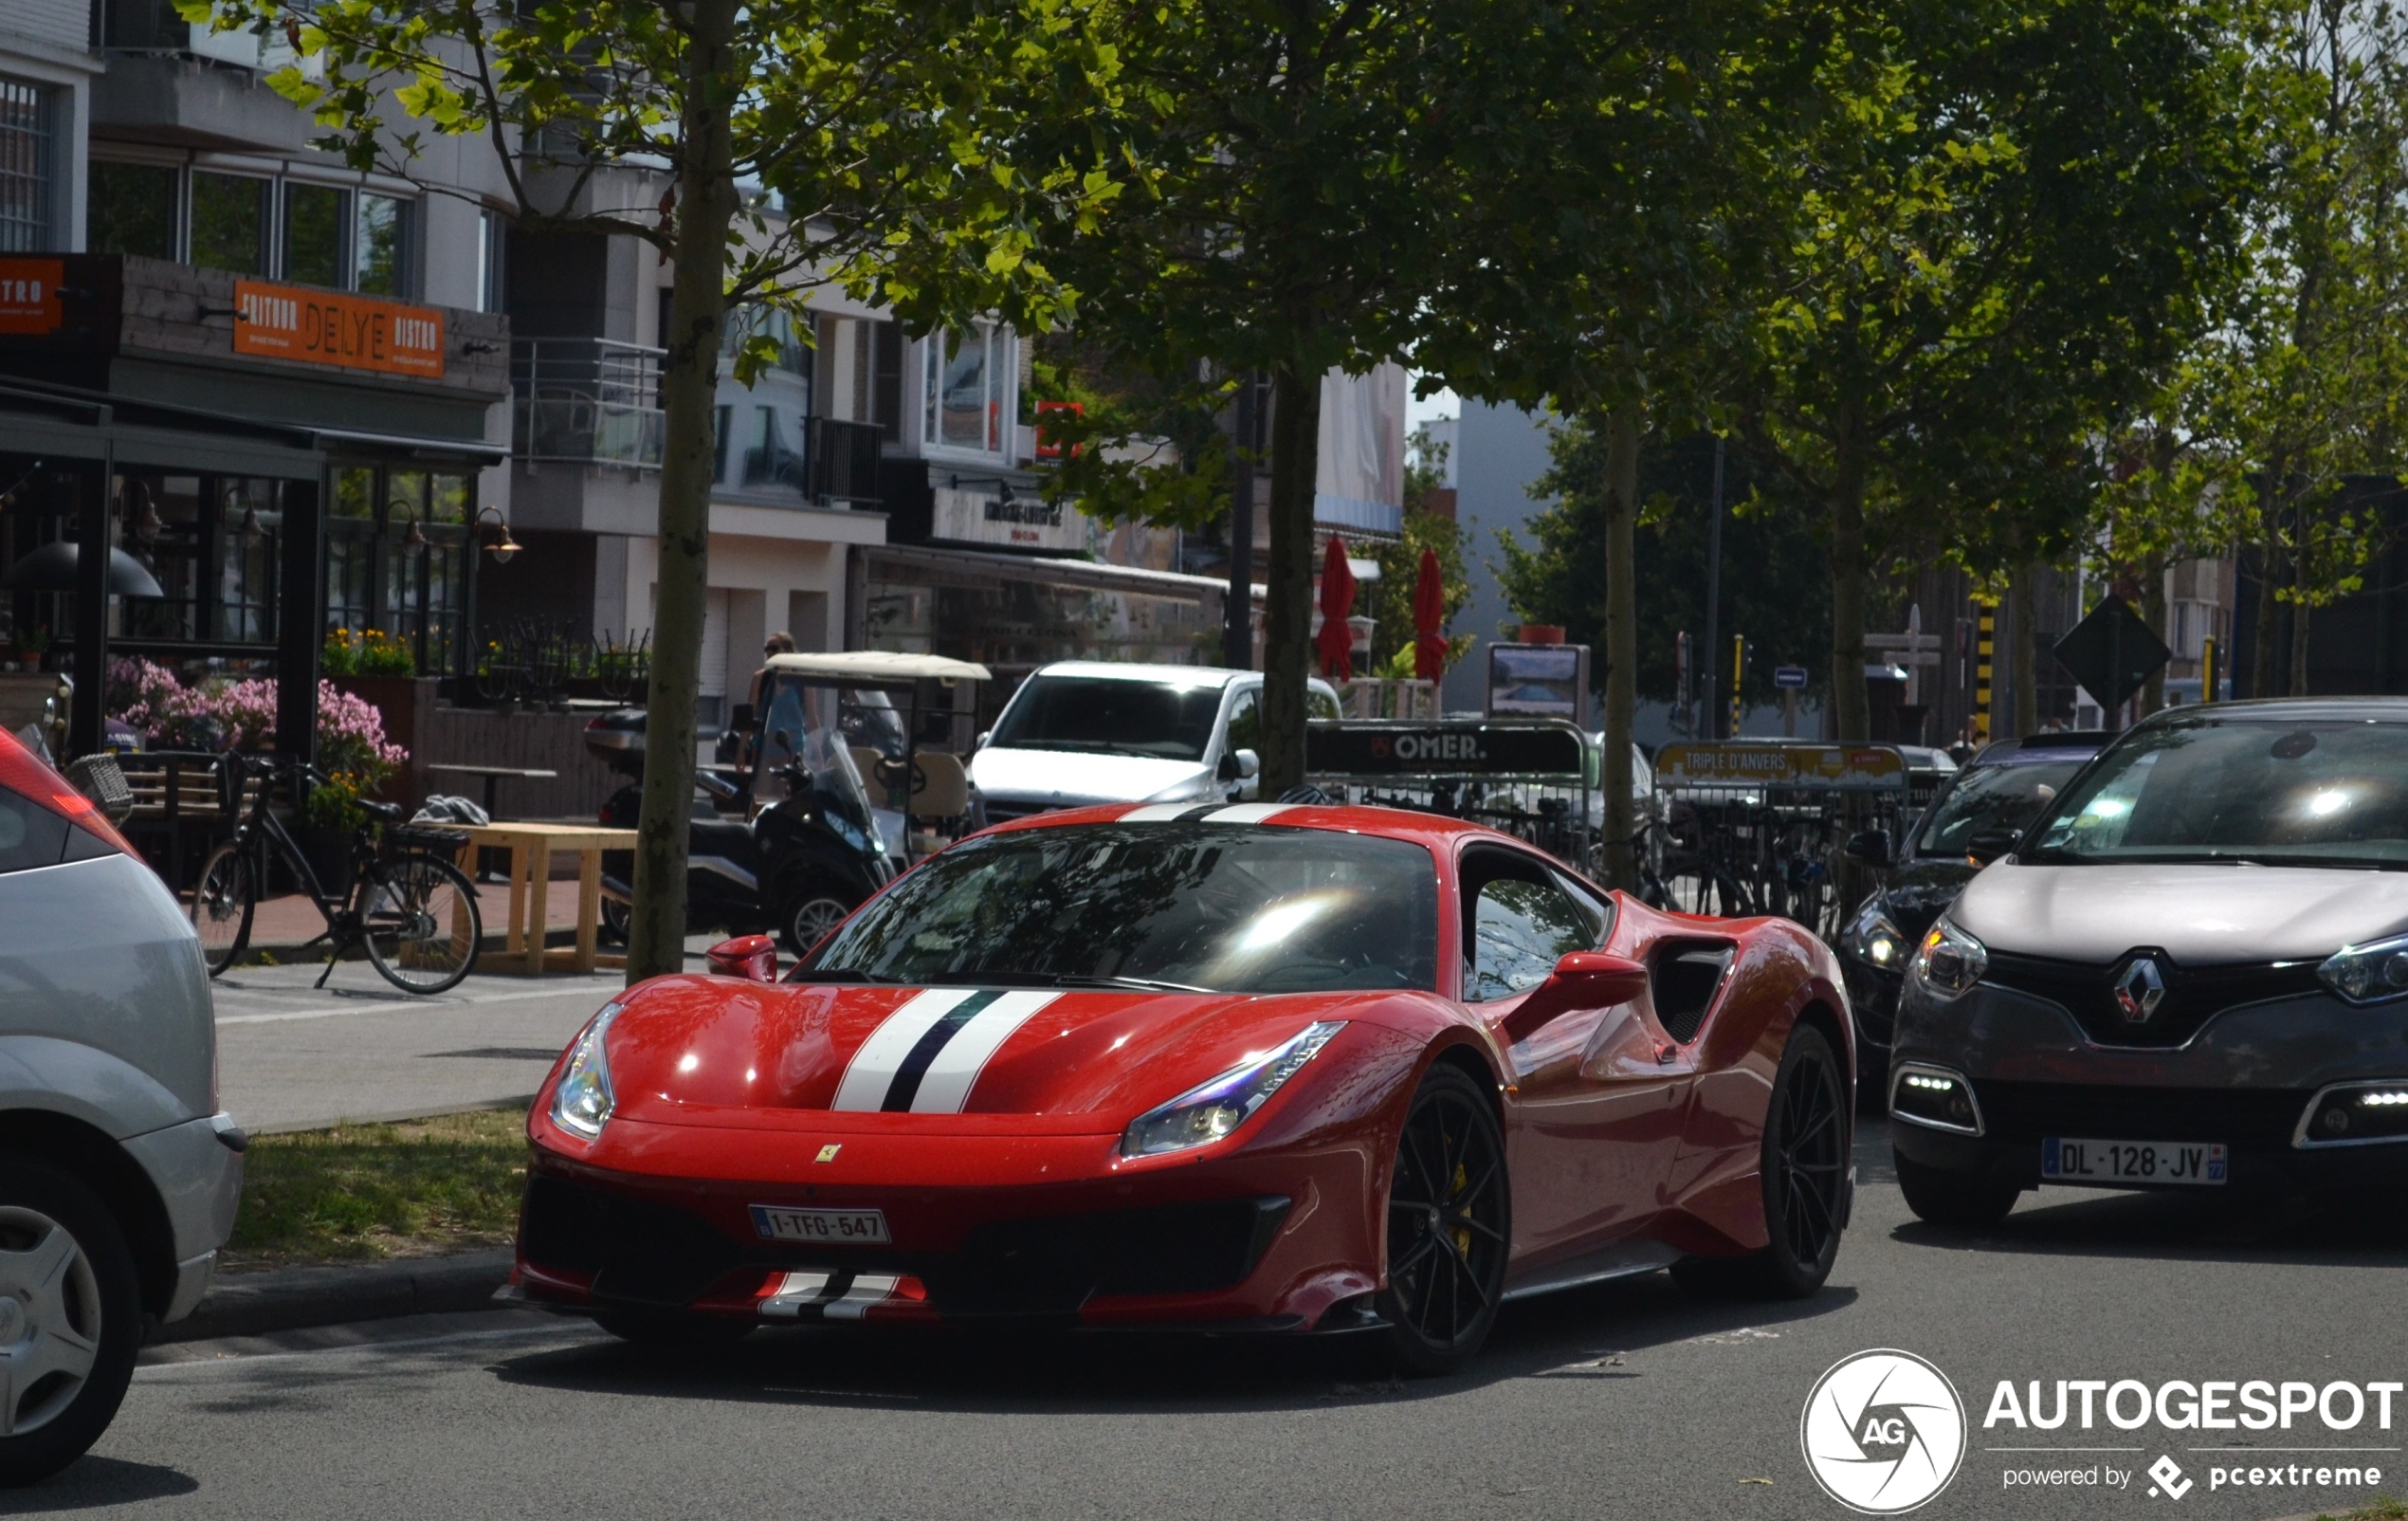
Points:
(279, 461)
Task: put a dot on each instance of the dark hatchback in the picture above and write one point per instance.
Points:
(1976, 818)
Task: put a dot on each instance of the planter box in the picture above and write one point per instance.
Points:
(408, 704)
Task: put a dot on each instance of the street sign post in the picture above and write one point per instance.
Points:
(1789, 681)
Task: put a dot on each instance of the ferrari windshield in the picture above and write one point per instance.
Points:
(1224, 908)
(1992, 800)
(1111, 715)
(2330, 793)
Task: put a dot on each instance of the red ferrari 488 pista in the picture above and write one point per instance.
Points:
(1243, 1066)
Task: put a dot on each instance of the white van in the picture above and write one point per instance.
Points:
(1087, 732)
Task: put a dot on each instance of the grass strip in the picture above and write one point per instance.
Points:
(363, 1192)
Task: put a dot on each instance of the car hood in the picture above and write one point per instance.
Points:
(1071, 778)
(2200, 915)
(689, 1049)
(1918, 890)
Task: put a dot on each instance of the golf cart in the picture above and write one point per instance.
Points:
(823, 791)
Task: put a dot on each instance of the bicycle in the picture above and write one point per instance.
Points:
(407, 906)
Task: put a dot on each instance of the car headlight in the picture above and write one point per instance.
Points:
(1207, 1114)
(1948, 962)
(1871, 938)
(2372, 973)
(583, 1100)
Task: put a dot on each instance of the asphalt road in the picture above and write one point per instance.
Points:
(1624, 1399)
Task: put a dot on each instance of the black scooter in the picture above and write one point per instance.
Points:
(796, 867)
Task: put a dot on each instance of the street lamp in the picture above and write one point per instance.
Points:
(498, 540)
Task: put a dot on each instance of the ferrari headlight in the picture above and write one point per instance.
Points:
(1212, 1112)
(2372, 973)
(583, 1100)
(1871, 938)
(1948, 963)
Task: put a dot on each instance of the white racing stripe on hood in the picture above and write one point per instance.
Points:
(1155, 813)
(1248, 814)
(946, 1086)
(873, 1070)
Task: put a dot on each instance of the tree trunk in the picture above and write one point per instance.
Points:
(2023, 655)
(1287, 613)
(2153, 613)
(2299, 650)
(1851, 714)
(2270, 549)
(1621, 642)
(698, 303)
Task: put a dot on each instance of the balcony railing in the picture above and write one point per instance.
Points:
(586, 400)
(836, 466)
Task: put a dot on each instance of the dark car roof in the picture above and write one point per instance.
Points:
(2068, 744)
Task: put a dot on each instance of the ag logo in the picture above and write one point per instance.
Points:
(1882, 1432)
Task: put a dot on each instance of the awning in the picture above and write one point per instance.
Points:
(873, 668)
(37, 417)
(1055, 572)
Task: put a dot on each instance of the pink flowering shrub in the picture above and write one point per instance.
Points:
(241, 715)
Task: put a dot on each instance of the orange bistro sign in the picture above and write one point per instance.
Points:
(326, 327)
(29, 295)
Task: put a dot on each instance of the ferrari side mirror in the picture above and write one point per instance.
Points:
(1582, 979)
(752, 957)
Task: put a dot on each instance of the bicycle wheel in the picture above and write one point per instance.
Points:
(420, 918)
(221, 906)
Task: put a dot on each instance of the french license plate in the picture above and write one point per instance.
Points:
(2064, 1160)
(823, 1227)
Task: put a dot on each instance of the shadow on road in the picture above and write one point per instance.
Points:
(1581, 1333)
(91, 1483)
(2187, 1227)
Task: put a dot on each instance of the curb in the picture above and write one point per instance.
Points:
(252, 1303)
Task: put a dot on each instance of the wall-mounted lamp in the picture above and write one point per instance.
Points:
(417, 537)
(496, 529)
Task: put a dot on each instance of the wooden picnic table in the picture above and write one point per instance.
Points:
(493, 777)
(530, 848)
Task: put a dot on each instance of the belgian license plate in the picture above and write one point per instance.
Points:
(2066, 1160)
(823, 1227)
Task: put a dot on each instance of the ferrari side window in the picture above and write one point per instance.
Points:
(1520, 930)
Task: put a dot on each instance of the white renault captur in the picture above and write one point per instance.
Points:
(119, 1177)
(1085, 732)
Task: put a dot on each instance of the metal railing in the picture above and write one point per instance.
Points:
(837, 463)
(587, 400)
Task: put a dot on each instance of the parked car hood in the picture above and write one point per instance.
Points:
(1915, 893)
(2200, 915)
(1072, 779)
(692, 1050)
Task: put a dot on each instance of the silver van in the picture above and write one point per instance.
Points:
(119, 1177)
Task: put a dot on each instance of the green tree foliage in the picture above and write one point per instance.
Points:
(1774, 588)
(1989, 230)
(766, 150)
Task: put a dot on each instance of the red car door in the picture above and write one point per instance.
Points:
(1596, 1112)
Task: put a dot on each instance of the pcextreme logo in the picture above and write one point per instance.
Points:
(1882, 1432)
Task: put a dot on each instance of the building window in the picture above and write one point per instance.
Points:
(27, 167)
(965, 388)
(314, 234)
(380, 245)
(229, 222)
(397, 560)
(132, 210)
(723, 418)
(288, 230)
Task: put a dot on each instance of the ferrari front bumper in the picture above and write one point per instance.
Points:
(1060, 1233)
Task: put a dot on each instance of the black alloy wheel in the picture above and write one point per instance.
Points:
(1803, 1182)
(1450, 1216)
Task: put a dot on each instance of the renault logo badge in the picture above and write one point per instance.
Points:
(2139, 989)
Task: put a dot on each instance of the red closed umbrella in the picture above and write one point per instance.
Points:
(1335, 641)
(1429, 616)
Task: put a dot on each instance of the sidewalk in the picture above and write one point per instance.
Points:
(291, 1057)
